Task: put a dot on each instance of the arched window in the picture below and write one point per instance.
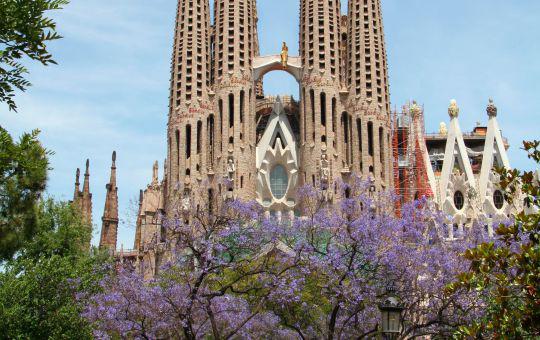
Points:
(231, 110)
(459, 200)
(312, 99)
(177, 150)
(211, 137)
(279, 181)
(359, 130)
(304, 100)
(188, 141)
(199, 137)
(498, 199)
(382, 150)
(220, 106)
(334, 108)
(242, 106)
(323, 109)
(370, 138)
(242, 111)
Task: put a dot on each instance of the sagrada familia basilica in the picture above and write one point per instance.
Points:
(226, 139)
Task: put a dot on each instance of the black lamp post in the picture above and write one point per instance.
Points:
(391, 311)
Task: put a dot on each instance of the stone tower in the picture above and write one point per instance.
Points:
(322, 126)
(109, 229)
(83, 199)
(218, 112)
(190, 105)
(368, 102)
(235, 46)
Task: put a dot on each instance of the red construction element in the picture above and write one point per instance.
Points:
(409, 150)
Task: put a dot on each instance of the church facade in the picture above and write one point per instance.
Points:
(227, 140)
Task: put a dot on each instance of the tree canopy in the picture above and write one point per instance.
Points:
(507, 269)
(43, 289)
(25, 31)
(23, 176)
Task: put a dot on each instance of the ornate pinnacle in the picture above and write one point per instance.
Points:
(415, 109)
(453, 109)
(491, 109)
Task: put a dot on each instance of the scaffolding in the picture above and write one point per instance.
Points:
(409, 146)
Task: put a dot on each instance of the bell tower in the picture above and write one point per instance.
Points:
(190, 102)
(320, 111)
(235, 45)
(368, 103)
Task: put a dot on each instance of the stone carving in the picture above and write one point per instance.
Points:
(443, 130)
(231, 169)
(325, 170)
(453, 109)
(186, 201)
(491, 109)
(415, 109)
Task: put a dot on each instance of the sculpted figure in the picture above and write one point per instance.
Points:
(186, 201)
(230, 168)
(284, 55)
(325, 168)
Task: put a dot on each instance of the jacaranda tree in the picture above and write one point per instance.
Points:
(235, 272)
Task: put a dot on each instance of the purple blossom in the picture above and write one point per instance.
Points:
(234, 273)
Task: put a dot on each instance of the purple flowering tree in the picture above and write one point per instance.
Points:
(233, 273)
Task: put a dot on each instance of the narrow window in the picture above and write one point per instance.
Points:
(242, 111)
(323, 109)
(211, 137)
(177, 153)
(304, 100)
(242, 108)
(382, 150)
(188, 141)
(370, 138)
(359, 130)
(199, 137)
(312, 98)
(231, 110)
(346, 139)
(221, 125)
(334, 108)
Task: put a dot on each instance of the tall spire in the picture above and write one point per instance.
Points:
(190, 100)
(83, 200)
(138, 231)
(86, 185)
(321, 132)
(109, 229)
(112, 182)
(77, 185)
(367, 69)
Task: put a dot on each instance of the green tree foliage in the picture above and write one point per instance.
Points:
(507, 271)
(23, 176)
(25, 31)
(43, 289)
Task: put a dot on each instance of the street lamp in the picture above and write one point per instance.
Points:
(390, 316)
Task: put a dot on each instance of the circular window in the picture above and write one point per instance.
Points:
(459, 200)
(279, 181)
(498, 199)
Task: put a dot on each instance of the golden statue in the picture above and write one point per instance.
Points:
(284, 55)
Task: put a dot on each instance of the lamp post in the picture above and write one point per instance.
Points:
(391, 311)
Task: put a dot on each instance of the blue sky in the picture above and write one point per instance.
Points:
(109, 91)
